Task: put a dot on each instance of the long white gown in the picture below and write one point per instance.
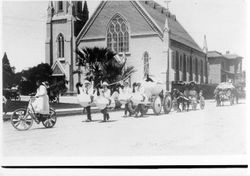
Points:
(41, 104)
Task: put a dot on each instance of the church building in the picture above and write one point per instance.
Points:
(146, 33)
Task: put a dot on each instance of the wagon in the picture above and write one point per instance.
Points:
(187, 94)
(12, 94)
(225, 91)
(155, 98)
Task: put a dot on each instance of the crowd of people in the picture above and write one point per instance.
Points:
(103, 98)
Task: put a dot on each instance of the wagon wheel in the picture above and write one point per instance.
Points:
(131, 107)
(167, 104)
(50, 120)
(21, 119)
(157, 105)
(202, 102)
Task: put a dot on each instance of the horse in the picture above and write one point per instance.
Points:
(180, 98)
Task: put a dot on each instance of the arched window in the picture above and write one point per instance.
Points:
(118, 35)
(60, 5)
(60, 46)
(146, 64)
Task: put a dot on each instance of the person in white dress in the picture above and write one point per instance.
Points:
(140, 89)
(88, 89)
(41, 102)
(126, 91)
(105, 92)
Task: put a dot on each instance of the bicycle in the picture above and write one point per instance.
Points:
(22, 118)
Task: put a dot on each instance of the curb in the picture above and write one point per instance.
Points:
(67, 112)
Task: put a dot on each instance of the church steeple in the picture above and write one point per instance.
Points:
(205, 49)
(50, 9)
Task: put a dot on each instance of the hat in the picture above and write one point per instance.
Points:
(125, 83)
(104, 84)
(86, 82)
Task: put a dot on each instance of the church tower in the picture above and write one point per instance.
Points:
(65, 19)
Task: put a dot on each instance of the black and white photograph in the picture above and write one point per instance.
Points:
(158, 82)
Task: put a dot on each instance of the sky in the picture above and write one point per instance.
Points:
(222, 21)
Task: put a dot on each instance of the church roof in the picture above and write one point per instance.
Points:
(211, 54)
(232, 56)
(177, 31)
(155, 13)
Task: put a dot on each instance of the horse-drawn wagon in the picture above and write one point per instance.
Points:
(186, 94)
(225, 91)
(154, 97)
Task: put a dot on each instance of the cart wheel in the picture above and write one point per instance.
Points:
(50, 120)
(21, 119)
(202, 103)
(131, 107)
(167, 104)
(157, 105)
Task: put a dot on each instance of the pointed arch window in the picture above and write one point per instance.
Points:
(118, 35)
(60, 6)
(60, 46)
(146, 64)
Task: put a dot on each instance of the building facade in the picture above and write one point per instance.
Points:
(149, 36)
(64, 21)
(224, 67)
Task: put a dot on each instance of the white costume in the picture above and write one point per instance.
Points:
(104, 99)
(125, 94)
(41, 104)
(84, 98)
(138, 96)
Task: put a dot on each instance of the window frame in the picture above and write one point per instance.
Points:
(121, 44)
(60, 46)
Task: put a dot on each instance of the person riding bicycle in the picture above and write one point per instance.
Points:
(41, 102)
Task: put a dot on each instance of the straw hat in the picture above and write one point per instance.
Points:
(86, 82)
(104, 84)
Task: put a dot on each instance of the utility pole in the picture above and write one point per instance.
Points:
(166, 40)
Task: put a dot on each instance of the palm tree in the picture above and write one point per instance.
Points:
(102, 65)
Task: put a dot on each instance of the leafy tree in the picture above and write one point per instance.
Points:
(41, 72)
(57, 86)
(27, 81)
(7, 72)
(102, 65)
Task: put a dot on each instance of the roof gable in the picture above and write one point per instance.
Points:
(58, 69)
(150, 15)
(129, 10)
